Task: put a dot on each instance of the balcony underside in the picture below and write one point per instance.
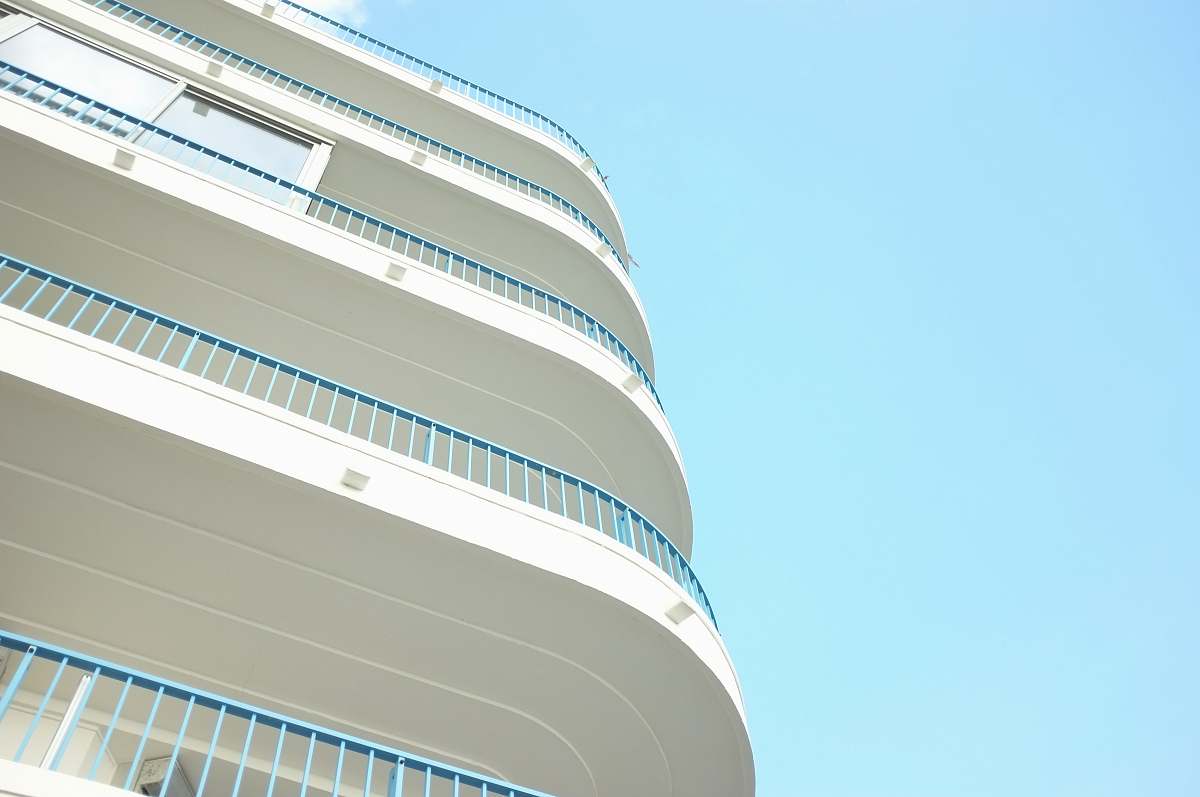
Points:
(445, 203)
(415, 612)
(383, 88)
(280, 283)
(493, 234)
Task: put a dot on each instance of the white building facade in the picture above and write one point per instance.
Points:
(331, 459)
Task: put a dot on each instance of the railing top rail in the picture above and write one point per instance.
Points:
(450, 255)
(386, 406)
(227, 55)
(19, 642)
(456, 83)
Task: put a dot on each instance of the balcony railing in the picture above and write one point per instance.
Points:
(135, 132)
(299, 88)
(513, 110)
(202, 354)
(55, 697)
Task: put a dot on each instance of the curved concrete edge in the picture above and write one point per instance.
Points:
(183, 405)
(362, 57)
(353, 254)
(336, 127)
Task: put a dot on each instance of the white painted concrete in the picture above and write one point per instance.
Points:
(701, 739)
(436, 199)
(619, 441)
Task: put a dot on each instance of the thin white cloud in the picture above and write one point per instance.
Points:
(351, 12)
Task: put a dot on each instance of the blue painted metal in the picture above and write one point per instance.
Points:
(298, 88)
(134, 131)
(17, 678)
(112, 725)
(187, 715)
(455, 83)
(41, 709)
(137, 756)
(38, 281)
(212, 748)
(201, 701)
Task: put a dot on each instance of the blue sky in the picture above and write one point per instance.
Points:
(924, 284)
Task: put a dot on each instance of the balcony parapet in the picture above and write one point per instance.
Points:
(181, 717)
(448, 80)
(175, 344)
(133, 132)
(432, 147)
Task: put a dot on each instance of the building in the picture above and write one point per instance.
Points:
(331, 459)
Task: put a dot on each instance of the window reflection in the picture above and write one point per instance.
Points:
(87, 70)
(237, 136)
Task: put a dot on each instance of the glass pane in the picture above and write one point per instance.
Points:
(79, 67)
(235, 135)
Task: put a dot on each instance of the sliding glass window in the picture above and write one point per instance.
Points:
(45, 54)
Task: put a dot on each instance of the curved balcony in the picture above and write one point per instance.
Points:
(251, 373)
(460, 85)
(313, 54)
(227, 58)
(137, 133)
(77, 715)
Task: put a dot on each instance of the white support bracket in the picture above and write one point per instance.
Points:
(436, 85)
(602, 250)
(587, 164)
(396, 271)
(123, 159)
(214, 67)
(631, 383)
(680, 612)
(418, 157)
(268, 8)
(355, 480)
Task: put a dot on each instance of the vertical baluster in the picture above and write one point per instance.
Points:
(36, 294)
(187, 715)
(253, 371)
(212, 749)
(312, 742)
(17, 678)
(112, 725)
(167, 344)
(333, 404)
(187, 353)
(237, 781)
(292, 391)
(151, 325)
(15, 282)
(37, 717)
(233, 357)
(275, 761)
(370, 768)
(271, 384)
(133, 765)
(62, 297)
(337, 769)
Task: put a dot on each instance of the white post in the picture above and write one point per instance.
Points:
(68, 720)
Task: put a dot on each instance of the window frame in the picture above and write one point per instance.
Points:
(320, 147)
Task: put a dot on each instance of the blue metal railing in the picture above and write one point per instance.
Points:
(299, 88)
(97, 115)
(459, 85)
(170, 342)
(59, 687)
